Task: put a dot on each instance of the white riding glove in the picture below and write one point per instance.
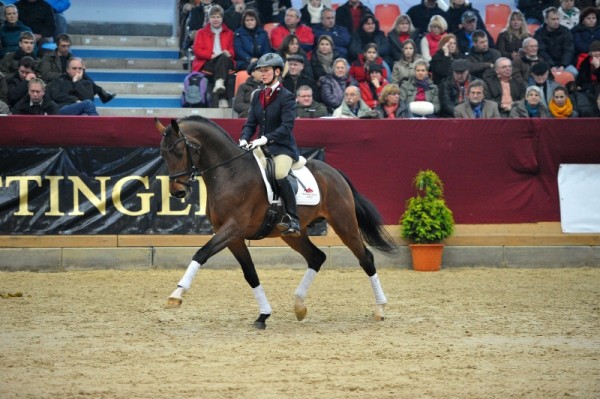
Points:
(243, 144)
(258, 142)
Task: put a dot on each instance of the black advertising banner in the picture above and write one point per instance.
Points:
(96, 190)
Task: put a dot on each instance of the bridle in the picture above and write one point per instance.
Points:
(193, 171)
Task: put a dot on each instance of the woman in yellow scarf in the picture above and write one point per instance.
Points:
(561, 106)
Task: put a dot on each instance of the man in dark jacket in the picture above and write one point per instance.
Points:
(481, 57)
(502, 88)
(421, 14)
(555, 42)
(350, 14)
(10, 62)
(72, 92)
(339, 34)
(36, 102)
(453, 90)
(307, 106)
(296, 76)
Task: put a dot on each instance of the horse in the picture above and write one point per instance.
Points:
(237, 203)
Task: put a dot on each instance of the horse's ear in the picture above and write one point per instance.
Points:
(159, 126)
(175, 126)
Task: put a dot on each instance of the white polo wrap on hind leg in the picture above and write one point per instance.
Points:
(188, 277)
(380, 298)
(263, 303)
(306, 282)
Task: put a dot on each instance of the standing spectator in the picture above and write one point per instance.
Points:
(585, 33)
(528, 56)
(10, 62)
(39, 16)
(510, 40)
(534, 9)
(353, 106)
(482, 57)
(358, 69)
(339, 34)
(568, 14)
(296, 76)
(36, 102)
(402, 30)
(323, 56)
(560, 105)
(185, 8)
(453, 90)
(272, 10)
(250, 41)
(404, 68)
(18, 82)
(369, 32)
(437, 29)
(291, 46)
(541, 77)
(464, 36)
(234, 14)
(502, 88)
(588, 79)
(421, 14)
(199, 17)
(307, 106)
(441, 63)
(350, 14)
(59, 7)
(213, 48)
(310, 14)
(243, 97)
(420, 87)
(455, 12)
(292, 25)
(476, 106)
(556, 43)
(390, 106)
(531, 106)
(10, 31)
(370, 90)
(334, 84)
(73, 94)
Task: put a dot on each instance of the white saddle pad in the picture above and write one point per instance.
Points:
(308, 190)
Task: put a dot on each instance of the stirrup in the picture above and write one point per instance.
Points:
(289, 226)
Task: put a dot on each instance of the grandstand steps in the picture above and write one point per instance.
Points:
(143, 88)
(124, 41)
(178, 112)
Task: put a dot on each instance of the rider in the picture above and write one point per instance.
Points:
(273, 111)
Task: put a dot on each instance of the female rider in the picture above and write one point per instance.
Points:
(273, 112)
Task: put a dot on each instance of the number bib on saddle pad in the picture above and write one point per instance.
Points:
(308, 190)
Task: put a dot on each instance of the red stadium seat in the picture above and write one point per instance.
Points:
(494, 30)
(268, 27)
(240, 77)
(532, 28)
(497, 14)
(564, 77)
(335, 5)
(386, 14)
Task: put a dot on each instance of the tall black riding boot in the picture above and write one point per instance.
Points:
(290, 224)
(105, 96)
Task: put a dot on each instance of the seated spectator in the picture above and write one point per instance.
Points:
(402, 30)
(370, 90)
(36, 102)
(10, 62)
(421, 14)
(510, 40)
(73, 94)
(532, 106)
(441, 63)
(368, 33)
(323, 56)
(54, 64)
(596, 110)
(404, 68)
(250, 41)
(420, 87)
(234, 13)
(534, 9)
(4, 108)
(560, 105)
(582, 103)
(464, 36)
(59, 7)
(455, 12)
(528, 56)
(10, 31)
(291, 46)
(307, 107)
(334, 84)
(350, 14)
(310, 14)
(481, 57)
(243, 97)
(353, 106)
(339, 34)
(543, 79)
(213, 48)
(295, 76)
(588, 79)
(555, 42)
(437, 29)
(568, 14)
(292, 25)
(358, 69)
(476, 106)
(502, 88)
(390, 106)
(585, 33)
(39, 16)
(272, 10)
(18, 82)
(453, 90)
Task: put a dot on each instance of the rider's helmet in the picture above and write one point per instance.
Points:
(270, 60)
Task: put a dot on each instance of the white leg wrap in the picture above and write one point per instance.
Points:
(380, 298)
(306, 282)
(263, 303)
(188, 277)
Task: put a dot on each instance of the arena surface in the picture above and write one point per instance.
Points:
(465, 332)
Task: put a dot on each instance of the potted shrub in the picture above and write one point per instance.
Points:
(427, 221)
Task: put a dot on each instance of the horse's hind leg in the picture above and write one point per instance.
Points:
(315, 258)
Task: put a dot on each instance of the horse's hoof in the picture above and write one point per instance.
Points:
(260, 323)
(173, 303)
(379, 314)
(300, 309)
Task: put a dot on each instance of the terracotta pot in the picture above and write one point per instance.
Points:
(427, 257)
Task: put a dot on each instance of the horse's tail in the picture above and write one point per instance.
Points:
(370, 222)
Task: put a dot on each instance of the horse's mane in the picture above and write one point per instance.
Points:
(202, 119)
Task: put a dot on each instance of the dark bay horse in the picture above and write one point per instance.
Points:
(237, 204)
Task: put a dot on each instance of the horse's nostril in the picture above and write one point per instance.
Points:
(179, 194)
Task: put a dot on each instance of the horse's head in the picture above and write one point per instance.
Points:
(178, 154)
